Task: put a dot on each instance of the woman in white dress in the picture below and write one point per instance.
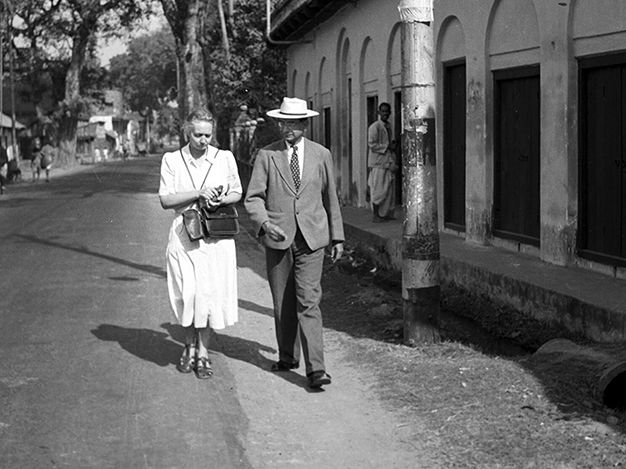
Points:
(201, 275)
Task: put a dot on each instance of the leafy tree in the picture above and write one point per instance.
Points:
(223, 58)
(250, 71)
(147, 72)
(65, 31)
(184, 20)
(166, 123)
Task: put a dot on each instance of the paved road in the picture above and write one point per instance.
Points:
(88, 347)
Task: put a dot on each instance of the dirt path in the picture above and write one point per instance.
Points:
(344, 426)
(120, 402)
(462, 403)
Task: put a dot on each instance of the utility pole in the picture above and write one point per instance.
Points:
(12, 75)
(2, 13)
(420, 241)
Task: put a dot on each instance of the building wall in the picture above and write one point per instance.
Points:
(361, 43)
(495, 35)
(353, 55)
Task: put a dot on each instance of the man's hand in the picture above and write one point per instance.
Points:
(336, 252)
(274, 231)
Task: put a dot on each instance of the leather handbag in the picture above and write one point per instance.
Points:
(209, 222)
(220, 222)
(192, 219)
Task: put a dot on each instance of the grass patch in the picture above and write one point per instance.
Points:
(476, 399)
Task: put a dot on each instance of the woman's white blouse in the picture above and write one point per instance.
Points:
(219, 164)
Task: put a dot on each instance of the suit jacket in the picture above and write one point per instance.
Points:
(271, 196)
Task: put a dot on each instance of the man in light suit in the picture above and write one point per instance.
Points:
(292, 202)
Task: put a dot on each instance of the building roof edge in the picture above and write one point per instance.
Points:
(292, 19)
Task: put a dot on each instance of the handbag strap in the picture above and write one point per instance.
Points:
(189, 172)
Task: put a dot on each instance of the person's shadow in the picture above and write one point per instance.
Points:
(237, 348)
(245, 350)
(164, 348)
(149, 345)
(256, 308)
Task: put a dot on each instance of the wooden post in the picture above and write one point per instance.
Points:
(12, 75)
(420, 241)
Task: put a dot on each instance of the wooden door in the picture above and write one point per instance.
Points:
(454, 111)
(602, 227)
(517, 155)
(352, 187)
(371, 103)
(327, 128)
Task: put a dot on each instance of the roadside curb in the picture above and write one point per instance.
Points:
(581, 302)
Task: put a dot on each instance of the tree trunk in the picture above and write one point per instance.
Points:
(420, 244)
(185, 27)
(70, 107)
(231, 17)
(225, 43)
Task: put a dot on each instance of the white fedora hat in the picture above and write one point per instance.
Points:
(292, 108)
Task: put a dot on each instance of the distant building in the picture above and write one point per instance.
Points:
(110, 129)
(6, 128)
(531, 105)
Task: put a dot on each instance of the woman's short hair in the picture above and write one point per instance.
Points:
(199, 114)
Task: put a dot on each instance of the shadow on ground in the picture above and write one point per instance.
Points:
(146, 344)
(151, 269)
(238, 348)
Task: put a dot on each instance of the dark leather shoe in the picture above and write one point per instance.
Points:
(283, 366)
(317, 379)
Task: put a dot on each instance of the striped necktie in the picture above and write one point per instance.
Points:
(295, 167)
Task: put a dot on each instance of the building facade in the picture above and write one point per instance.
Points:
(531, 114)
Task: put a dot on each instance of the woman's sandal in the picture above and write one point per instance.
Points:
(203, 368)
(187, 360)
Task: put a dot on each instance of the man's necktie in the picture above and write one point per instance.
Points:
(295, 167)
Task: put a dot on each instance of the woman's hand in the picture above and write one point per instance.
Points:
(212, 195)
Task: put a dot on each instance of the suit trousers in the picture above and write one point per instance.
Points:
(295, 276)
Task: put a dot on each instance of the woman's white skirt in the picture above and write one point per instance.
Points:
(201, 279)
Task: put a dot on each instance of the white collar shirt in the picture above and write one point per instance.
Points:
(199, 167)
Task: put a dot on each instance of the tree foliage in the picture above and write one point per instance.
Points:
(223, 53)
(63, 33)
(146, 73)
(184, 18)
(252, 72)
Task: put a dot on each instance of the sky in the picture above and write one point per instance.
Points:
(111, 49)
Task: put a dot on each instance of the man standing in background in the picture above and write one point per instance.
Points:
(381, 160)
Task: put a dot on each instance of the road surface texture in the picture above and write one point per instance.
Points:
(89, 346)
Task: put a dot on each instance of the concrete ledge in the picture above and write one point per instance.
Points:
(580, 301)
